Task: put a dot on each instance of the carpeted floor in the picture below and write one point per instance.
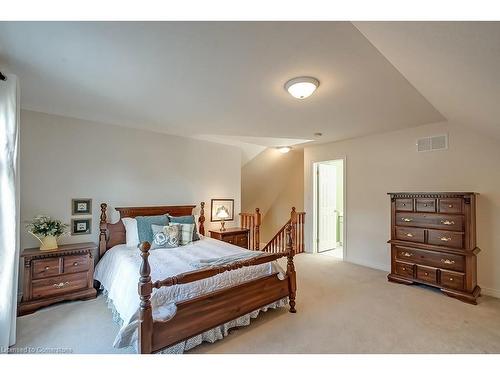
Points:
(342, 308)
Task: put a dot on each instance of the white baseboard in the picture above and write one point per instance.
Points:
(490, 292)
(377, 266)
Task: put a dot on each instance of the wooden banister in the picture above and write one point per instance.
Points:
(252, 221)
(279, 241)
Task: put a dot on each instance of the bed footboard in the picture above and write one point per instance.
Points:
(205, 312)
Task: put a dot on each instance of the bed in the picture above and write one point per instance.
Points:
(186, 292)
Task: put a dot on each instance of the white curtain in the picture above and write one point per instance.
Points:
(9, 208)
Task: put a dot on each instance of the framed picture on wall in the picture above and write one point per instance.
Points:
(222, 210)
(81, 226)
(81, 206)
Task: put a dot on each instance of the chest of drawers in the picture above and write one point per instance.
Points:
(235, 236)
(433, 242)
(65, 273)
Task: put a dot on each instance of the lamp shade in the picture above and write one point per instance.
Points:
(222, 213)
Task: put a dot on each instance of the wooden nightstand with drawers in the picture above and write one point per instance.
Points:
(235, 236)
(62, 274)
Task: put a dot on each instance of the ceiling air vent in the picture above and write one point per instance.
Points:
(435, 143)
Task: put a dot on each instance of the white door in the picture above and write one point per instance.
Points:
(327, 210)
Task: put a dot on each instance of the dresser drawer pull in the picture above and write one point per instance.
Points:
(407, 254)
(426, 273)
(75, 264)
(409, 235)
(445, 239)
(447, 222)
(450, 206)
(451, 278)
(404, 268)
(61, 285)
(447, 261)
(47, 268)
(407, 220)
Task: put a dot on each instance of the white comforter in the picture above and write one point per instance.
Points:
(118, 273)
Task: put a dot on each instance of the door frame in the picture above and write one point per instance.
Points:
(315, 204)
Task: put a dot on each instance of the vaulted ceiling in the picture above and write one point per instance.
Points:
(455, 65)
(226, 79)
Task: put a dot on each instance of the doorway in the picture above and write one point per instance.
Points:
(329, 207)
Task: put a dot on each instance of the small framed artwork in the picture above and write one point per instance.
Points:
(81, 206)
(81, 226)
(222, 210)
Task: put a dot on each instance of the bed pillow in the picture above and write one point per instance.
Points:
(189, 219)
(187, 231)
(131, 234)
(144, 226)
(166, 237)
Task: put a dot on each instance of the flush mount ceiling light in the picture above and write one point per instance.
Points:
(284, 150)
(301, 87)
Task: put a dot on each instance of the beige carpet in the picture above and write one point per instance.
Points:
(342, 308)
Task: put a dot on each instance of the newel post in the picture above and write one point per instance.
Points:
(102, 230)
(293, 222)
(145, 288)
(290, 268)
(258, 218)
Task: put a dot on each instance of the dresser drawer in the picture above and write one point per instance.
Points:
(452, 280)
(45, 268)
(58, 285)
(404, 269)
(425, 205)
(436, 221)
(451, 205)
(431, 258)
(76, 263)
(428, 274)
(229, 239)
(410, 234)
(241, 240)
(445, 238)
(404, 204)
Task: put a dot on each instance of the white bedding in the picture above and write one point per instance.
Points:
(118, 273)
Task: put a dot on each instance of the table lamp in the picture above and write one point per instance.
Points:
(222, 214)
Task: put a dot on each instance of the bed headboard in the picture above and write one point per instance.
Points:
(114, 234)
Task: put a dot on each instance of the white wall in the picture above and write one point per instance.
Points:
(389, 162)
(64, 158)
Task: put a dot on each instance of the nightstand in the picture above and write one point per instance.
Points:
(62, 274)
(235, 236)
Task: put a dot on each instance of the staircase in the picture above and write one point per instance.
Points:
(253, 222)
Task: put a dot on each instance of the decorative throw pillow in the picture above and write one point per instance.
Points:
(186, 233)
(166, 237)
(189, 219)
(131, 234)
(144, 226)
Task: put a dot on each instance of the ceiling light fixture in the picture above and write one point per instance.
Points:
(301, 87)
(284, 150)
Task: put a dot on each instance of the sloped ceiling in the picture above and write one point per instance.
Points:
(215, 78)
(455, 65)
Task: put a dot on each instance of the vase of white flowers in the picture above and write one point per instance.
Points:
(47, 231)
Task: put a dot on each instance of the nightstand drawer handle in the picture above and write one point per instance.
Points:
(75, 264)
(61, 285)
(447, 222)
(447, 261)
(405, 219)
(407, 254)
(445, 239)
(409, 235)
(47, 268)
(426, 273)
(451, 278)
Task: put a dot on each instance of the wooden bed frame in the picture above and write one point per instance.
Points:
(202, 313)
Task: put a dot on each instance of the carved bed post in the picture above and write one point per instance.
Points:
(145, 288)
(290, 268)
(201, 219)
(102, 230)
(256, 235)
